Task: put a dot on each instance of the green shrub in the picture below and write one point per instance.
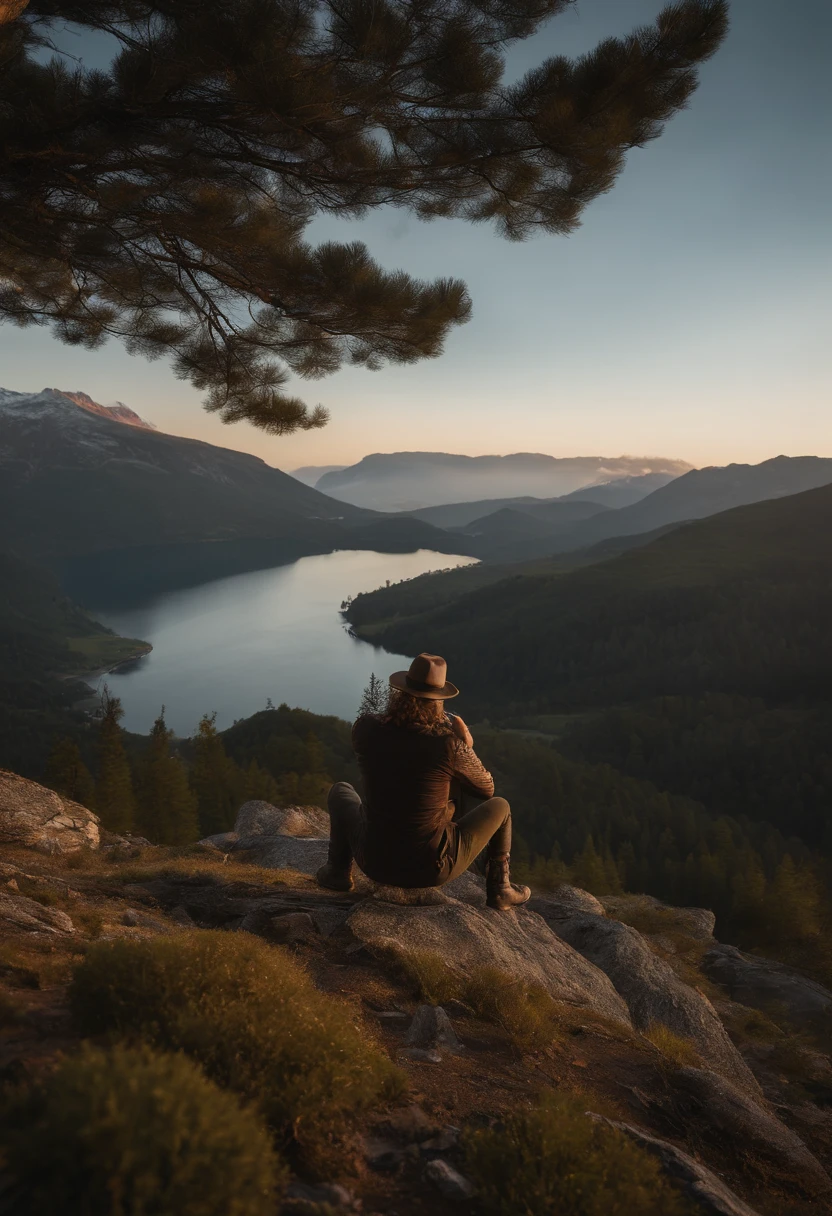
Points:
(248, 1013)
(555, 1159)
(130, 1132)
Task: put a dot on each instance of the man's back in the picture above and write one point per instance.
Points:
(407, 776)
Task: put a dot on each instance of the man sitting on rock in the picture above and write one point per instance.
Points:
(404, 833)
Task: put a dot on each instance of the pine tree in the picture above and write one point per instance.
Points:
(67, 774)
(259, 785)
(374, 698)
(114, 798)
(250, 118)
(215, 779)
(166, 811)
(588, 871)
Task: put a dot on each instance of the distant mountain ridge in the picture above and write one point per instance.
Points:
(94, 499)
(410, 481)
(703, 492)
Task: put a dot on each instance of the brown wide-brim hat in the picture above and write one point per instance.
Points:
(426, 678)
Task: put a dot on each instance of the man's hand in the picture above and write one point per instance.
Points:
(460, 729)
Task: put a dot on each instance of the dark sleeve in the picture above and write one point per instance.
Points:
(359, 733)
(470, 770)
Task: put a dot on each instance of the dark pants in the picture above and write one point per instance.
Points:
(486, 826)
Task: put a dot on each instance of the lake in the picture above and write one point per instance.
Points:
(276, 634)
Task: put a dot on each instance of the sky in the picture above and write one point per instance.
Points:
(689, 316)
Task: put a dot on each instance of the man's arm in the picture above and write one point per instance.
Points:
(470, 771)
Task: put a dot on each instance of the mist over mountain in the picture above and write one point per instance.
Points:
(703, 492)
(409, 481)
(311, 474)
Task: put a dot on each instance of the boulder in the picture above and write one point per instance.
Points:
(519, 943)
(739, 1125)
(762, 983)
(18, 914)
(431, 1027)
(287, 852)
(38, 818)
(281, 927)
(652, 990)
(566, 901)
(700, 1184)
(257, 818)
(448, 1181)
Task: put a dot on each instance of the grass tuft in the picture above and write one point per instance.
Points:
(525, 1012)
(674, 1047)
(120, 1131)
(249, 1014)
(555, 1159)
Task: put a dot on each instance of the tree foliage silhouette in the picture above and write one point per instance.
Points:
(67, 774)
(214, 779)
(374, 697)
(164, 200)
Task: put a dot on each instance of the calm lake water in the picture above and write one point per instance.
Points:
(231, 644)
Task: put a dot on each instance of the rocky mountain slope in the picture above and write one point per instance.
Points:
(667, 1037)
(73, 481)
(409, 481)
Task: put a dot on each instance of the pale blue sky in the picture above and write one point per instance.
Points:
(689, 316)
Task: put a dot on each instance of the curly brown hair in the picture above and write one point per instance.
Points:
(417, 713)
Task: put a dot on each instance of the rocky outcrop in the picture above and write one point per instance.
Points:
(764, 984)
(700, 1184)
(18, 914)
(649, 985)
(739, 1125)
(696, 923)
(468, 938)
(257, 818)
(36, 817)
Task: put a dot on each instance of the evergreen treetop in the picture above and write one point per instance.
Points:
(166, 808)
(114, 798)
(374, 698)
(164, 200)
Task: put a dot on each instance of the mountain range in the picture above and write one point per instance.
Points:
(410, 481)
(93, 489)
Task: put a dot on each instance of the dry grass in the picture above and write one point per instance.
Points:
(526, 1013)
(674, 1048)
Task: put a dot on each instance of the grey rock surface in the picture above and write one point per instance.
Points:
(18, 914)
(257, 818)
(306, 855)
(763, 983)
(38, 818)
(447, 1180)
(566, 901)
(336, 1196)
(737, 1122)
(431, 1027)
(281, 927)
(653, 991)
(519, 943)
(698, 1182)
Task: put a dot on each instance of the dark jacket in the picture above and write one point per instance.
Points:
(407, 778)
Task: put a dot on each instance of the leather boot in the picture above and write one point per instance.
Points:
(334, 878)
(500, 892)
